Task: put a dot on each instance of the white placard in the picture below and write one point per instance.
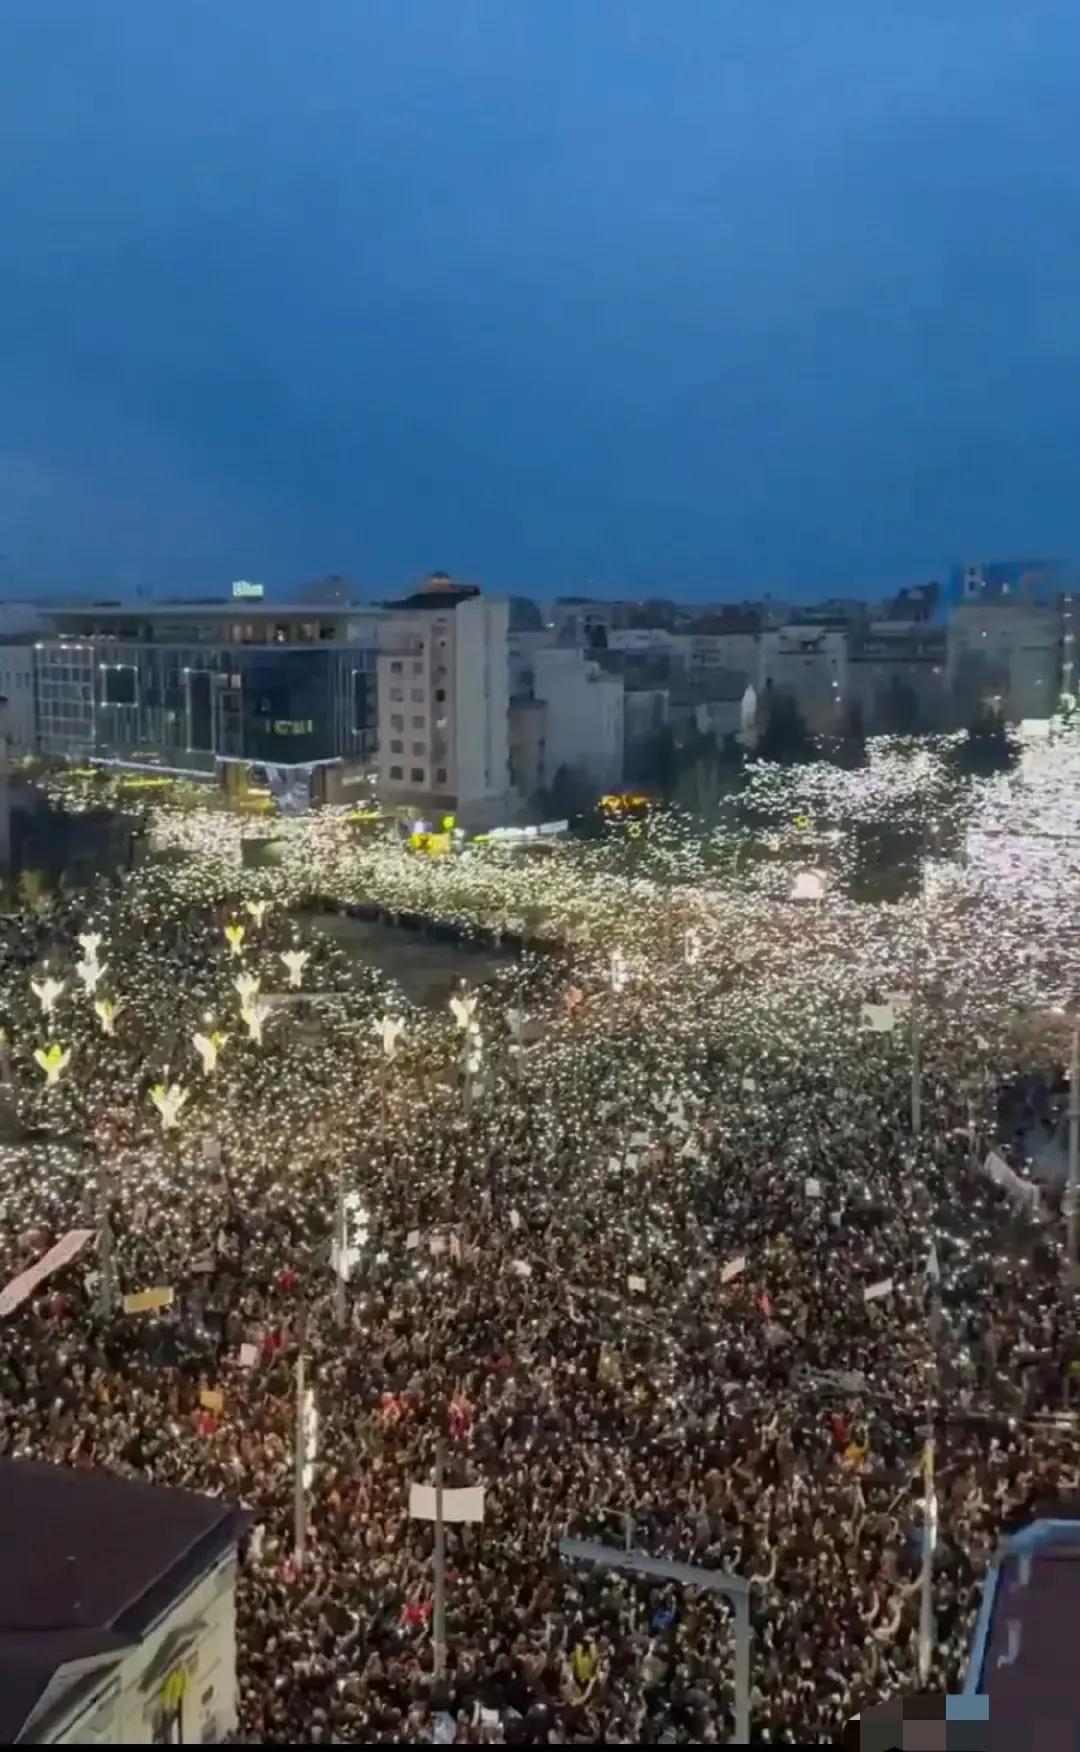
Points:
(61, 1253)
(874, 1292)
(733, 1269)
(249, 1355)
(878, 1018)
(813, 1187)
(412, 1240)
(515, 1221)
(637, 1285)
(457, 1505)
(521, 1268)
(639, 1140)
(437, 1246)
(749, 1086)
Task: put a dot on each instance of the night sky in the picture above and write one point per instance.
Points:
(706, 298)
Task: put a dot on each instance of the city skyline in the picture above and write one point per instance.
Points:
(569, 303)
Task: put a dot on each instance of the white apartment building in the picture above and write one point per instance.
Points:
(809, 663)
(585, 710)
(1005, 650)
(443, 703)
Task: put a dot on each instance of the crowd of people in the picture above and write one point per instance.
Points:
(668, 1263)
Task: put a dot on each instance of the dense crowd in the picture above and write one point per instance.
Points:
(618, 1261)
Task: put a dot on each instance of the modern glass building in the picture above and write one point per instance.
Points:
(189, 685)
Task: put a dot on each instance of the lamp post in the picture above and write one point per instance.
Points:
(1073, 1219)
(106, 1288)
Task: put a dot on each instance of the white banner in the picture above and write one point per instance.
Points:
(61, 1253)
(1002, 1175)
(878, 1018)
(457, 1505)
(874, 1292)
(733, 1269)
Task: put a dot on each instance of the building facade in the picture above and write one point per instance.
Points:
(19, 722)
(809, 664)
(444, 700)
(191, 685)
(897, 677)
(585, 715)
(1007, 654)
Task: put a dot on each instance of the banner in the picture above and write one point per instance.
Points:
(457, 1505)
(143, 1301)
(733, 1269)
(1023, 1191)
(61, 1253)
(874, 1292)
(878, 1018)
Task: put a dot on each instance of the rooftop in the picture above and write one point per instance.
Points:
(90, 1561)
(239, 609)
(1022, 1652)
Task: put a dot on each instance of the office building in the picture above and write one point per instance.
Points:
(198, 687)
(444, 698)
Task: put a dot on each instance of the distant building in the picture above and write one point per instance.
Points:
(1006, 653)
(1001, 580)
(646, 712)
(117, 1610)
(529, 774)
(897, 677)
(19, 724)
(198, 686)
(918, 602)
(716, 706)
(809, 664)
(522, 648)
(584, 716)
(727, 639)
(444, 699)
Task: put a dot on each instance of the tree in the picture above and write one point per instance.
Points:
(572, 793)
(900, 707)
(989, 746)
(786, 736)
(34, 890)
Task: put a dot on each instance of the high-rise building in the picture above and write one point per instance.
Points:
(444, 698)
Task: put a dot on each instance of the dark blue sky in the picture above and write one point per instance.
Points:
(706, 298)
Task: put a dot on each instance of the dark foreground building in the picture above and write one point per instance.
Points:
(117, 1610)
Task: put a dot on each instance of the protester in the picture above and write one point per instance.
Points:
(622, 1270)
